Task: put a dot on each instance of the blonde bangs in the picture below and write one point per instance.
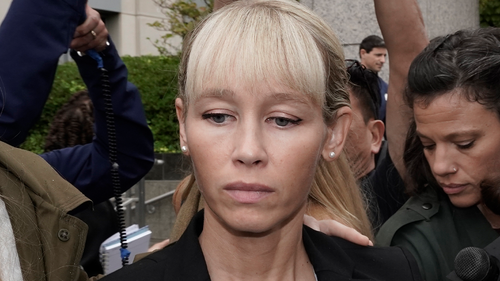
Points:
(256, 43)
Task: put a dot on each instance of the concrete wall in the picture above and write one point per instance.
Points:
(132, 29)
(353, 20)
(4, 6)
(126, 21)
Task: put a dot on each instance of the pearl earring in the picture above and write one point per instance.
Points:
(332, 154)
(184, 148)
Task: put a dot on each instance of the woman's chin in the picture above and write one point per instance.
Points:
(463, 201)
(249, 227)
(253, 223)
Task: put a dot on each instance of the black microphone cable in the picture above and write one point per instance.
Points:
(115, 175)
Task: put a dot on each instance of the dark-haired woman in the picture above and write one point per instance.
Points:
(452, 152)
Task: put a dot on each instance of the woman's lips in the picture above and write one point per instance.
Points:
(246, 193)
(452, 189)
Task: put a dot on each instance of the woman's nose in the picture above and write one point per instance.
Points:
(441, 162)
(249, 145)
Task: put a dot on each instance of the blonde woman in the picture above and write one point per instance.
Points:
(332, 197)
(262, 106)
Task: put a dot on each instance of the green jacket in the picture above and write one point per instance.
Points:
(434, 231)
(49, 241)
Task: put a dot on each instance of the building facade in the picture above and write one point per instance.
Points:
(127, 20)
(353, 20)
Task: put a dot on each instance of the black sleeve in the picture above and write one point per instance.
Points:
(384, 264)
(385, 189)
(412, 264)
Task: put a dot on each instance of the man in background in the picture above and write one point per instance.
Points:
(373, 53)
(366, 133)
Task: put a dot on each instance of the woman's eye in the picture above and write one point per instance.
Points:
(283, 122)
(216, 117)
(466, 145)
(428, 146)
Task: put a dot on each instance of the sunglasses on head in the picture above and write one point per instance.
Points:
(363, 78)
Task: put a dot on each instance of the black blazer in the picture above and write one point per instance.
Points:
(332, 258)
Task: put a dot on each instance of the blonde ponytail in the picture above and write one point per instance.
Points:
(335, 195)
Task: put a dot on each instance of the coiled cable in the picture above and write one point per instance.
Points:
(112, 148)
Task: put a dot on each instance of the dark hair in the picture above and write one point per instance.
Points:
(468, 60)
(418, 172)
(73, 123)
(364, 86)
(370, 42)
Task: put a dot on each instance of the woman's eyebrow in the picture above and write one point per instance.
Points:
(420, 135)
(209, 93)
(455, 135)
(279, 96)
(291, 97)
(464, 133)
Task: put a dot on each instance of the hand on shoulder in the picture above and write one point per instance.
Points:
(335, 228)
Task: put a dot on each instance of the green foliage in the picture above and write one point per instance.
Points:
(156, 79)
(66, 82)
(181, 17)
(489, 11)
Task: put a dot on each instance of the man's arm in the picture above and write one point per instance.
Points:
(88, 167)
(405, 37)
(91, 34)
(33, 35)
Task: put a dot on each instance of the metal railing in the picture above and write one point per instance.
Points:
(135, 199)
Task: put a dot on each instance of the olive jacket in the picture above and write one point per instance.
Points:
(434, 231)
(49, 241)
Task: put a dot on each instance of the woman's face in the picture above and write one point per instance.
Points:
(254, 151)
(461, 142)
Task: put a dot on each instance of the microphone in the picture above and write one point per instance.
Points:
(475, 264)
